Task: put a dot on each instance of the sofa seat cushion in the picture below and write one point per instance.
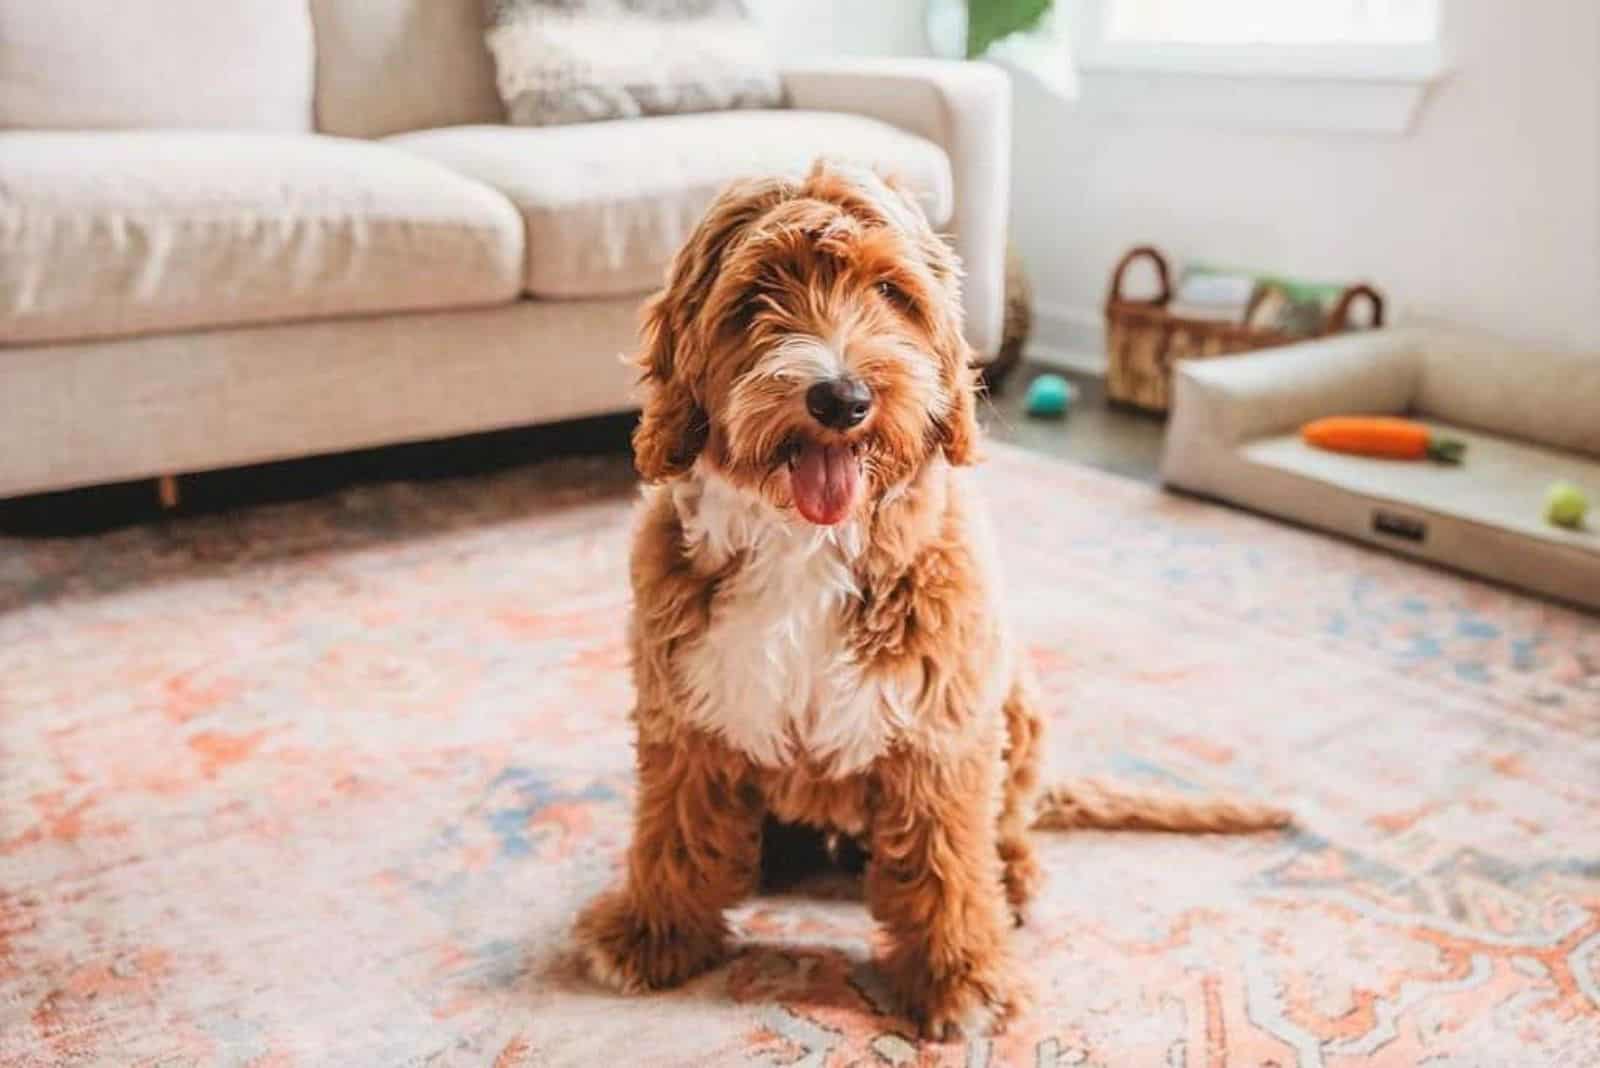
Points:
(607, 204)
(105, 234)
(1485, 515)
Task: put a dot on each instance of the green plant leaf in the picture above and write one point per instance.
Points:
(990, 20)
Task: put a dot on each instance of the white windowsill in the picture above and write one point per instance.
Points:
(1359, 63)
(1377, 89)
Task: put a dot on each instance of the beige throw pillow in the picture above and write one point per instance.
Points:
(566, 61)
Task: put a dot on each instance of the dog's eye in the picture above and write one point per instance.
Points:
(893, 294)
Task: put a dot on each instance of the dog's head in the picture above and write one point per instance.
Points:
(808, 346)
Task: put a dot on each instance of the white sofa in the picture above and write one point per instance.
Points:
(238, 232)
(1529, 418)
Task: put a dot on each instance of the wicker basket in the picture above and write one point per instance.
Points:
(1144, 341)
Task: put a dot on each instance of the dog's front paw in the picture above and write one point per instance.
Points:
(967, 1003)
(623, 951)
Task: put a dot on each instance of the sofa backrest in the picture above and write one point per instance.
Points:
(112, 64)
(387, 66)
(1548, 397)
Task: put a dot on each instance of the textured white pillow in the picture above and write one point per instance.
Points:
(99, 64)
(565, 61)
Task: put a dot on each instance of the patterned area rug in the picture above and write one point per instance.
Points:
(323, 784)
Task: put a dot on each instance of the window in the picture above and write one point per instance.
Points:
(1329, 64)
(1273, 22)
(1373, 39)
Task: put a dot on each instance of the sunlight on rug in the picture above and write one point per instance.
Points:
(323, 784)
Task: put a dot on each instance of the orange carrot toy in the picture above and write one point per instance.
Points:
(1383, 436)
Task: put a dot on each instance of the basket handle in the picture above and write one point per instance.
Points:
(1339, 318)
(1150, 253)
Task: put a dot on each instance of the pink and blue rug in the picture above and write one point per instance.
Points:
(323, 784)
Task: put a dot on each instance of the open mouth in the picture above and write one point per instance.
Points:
(824, 478)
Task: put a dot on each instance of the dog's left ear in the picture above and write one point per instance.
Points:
(958, 427)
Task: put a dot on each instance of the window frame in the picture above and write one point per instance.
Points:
(1375, 88)
(1378, 61)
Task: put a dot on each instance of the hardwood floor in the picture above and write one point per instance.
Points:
(1114, 439)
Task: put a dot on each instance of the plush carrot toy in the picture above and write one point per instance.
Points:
(1383, 436)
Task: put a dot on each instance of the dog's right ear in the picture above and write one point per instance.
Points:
(674, 425)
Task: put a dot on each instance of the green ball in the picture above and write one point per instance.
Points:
(1049, 397)
(1565, 505)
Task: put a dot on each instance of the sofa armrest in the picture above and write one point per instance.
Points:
(1219, 404)
(965, 109)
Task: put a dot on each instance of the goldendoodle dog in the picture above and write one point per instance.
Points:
(817, 631)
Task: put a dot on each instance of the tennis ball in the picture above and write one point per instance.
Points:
(1565, 505)
(1049, 397)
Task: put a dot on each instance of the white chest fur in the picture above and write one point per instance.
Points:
(774, 675)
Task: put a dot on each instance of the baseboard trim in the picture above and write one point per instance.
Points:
(1068, 337)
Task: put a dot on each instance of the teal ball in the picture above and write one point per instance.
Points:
(1049, 397)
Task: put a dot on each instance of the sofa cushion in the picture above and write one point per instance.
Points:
(607, 204)
(384, 66)
(1486, 515)
(94, 64)
(104, 234)
(1551, 397)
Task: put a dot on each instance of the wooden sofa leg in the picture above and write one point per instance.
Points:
(167, 491)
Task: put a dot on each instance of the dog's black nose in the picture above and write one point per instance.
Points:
(839, 403)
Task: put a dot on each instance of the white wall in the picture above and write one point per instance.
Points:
(803, 29)
(1485, 214)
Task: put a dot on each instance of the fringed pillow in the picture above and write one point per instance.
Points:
(565, 61)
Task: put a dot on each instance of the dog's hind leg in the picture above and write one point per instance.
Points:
(696, 851)
(1024, 740)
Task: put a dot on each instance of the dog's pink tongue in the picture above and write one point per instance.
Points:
(824, 481)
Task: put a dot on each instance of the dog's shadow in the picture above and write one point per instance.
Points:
(794, 974)
(830, 975)
(806, 976)
(797, 974)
